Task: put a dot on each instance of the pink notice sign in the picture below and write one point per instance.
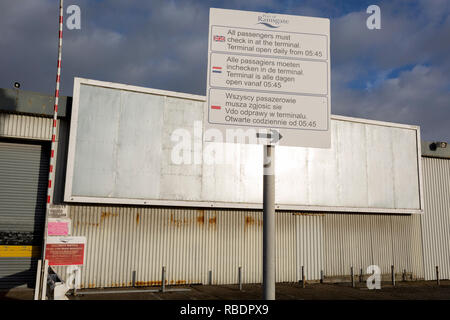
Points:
(58, 228)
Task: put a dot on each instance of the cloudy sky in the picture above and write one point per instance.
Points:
(400, 73)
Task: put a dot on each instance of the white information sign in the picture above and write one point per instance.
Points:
(57, 211)
(268, 79)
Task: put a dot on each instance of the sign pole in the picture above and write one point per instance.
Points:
(269, 223)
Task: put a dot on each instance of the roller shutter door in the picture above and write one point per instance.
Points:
(23, 190)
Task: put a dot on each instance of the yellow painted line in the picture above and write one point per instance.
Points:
(20, 251)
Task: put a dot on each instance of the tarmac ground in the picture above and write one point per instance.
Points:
(409, 290)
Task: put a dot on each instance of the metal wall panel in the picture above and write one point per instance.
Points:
(111, 136)
(191, 242)
(310, 246)
(181, 180)
(188, 243)
(21, 101)
(286, 247)
(416, 246)
(363, 240)
(436, 222)
(26, 127)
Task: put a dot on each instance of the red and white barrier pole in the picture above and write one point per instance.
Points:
(54, 143)
(55, 118)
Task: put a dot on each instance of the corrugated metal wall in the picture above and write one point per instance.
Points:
(310, 245)
(25, 127)
(436, 219)
(191, 242)
(363, 240)
(286, 248)
(188, 242)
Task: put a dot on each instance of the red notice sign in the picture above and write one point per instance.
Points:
(65, 251)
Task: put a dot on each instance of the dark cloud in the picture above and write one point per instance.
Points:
(417, 97)
(399, 73)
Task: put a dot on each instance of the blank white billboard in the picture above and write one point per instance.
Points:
(125, 143)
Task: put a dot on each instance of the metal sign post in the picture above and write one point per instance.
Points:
(269, 223)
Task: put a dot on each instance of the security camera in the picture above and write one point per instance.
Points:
(438, 144)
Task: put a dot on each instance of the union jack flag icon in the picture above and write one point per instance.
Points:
(219, 38)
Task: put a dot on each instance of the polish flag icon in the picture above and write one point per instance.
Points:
(216, 107)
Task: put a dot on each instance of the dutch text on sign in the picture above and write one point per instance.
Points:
(273, 74)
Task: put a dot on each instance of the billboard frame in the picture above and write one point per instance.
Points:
(69, 198)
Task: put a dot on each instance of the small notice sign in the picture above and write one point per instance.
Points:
(65, 251)
(57, 211)
(58, 227)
